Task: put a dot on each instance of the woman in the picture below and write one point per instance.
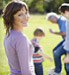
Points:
(18, 48)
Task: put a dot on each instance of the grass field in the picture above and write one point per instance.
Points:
(48, 42)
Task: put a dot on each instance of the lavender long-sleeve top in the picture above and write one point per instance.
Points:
(19, 52)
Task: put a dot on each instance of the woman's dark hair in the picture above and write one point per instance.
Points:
(12, 8)
(64, 7)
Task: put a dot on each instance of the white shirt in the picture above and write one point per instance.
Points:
(66, 43)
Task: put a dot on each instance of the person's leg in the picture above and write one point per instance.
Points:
(38, 68)
(57, 49)
(57, 58)
(67, 68)
(58, 45)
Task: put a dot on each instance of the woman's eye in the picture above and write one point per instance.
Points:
(20, 14)
(26, 13)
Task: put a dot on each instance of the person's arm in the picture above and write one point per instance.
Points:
(62, 29)
(44, 55)
(22, 49)
(66, 58)
(58, 33)
(36, 49)
(66, 46)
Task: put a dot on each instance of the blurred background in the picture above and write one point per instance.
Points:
(38, 10)
(38, 6)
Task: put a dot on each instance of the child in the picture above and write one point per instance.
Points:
(38, 56)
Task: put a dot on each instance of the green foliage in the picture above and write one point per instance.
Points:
(40, 5)
(52, 5)
(57, 4)
(45, 5)
(1, 4)
(37, 6)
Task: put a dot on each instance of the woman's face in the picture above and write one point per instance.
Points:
(21, 18)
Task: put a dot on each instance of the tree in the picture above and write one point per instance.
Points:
(40, 6)
(36, 6)
(52, 5)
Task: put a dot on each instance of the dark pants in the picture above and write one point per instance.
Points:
(38, 68)
(58, 51)
(67, 68)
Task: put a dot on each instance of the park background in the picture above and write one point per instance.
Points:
(38, 10)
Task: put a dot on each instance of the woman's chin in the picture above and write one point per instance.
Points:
(25, 25)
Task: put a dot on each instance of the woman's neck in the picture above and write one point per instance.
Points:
(18, 28)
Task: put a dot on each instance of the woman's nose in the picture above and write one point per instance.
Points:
(28, 15)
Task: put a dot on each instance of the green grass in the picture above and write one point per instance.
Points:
(48, 42)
